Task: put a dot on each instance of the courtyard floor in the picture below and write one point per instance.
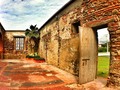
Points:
(26, 75)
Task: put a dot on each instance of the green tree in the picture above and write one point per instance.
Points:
(33, 34)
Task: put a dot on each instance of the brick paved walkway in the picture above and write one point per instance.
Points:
(19, 75)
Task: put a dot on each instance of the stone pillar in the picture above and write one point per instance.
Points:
(114, 29)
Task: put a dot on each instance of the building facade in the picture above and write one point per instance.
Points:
(68, 39)
(14, 44)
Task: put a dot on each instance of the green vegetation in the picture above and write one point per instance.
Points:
(33, 34)
(103, 66)
(102, 49)
(38, 58)
(29, 56)
(35, 56)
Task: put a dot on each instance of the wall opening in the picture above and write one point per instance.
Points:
(75, 27)
(103, 53)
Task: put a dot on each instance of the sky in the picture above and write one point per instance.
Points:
(103, 36)
(20, 14)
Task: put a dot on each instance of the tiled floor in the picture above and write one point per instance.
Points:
(22, 75)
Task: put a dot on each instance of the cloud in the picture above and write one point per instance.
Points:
(3, 2)
(36, 2)
(17, 14)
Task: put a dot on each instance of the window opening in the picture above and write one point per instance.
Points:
(19, 43)
(76, 27)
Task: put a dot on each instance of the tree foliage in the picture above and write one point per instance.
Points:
(33, 34)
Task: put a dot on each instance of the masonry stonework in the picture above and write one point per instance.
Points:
(59, 43)
(9, 45)
(114, 28)
(59, 40)
(100, 12)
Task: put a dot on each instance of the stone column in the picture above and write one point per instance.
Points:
(114, 29)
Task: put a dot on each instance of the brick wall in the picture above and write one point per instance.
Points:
(100, 12)
(59, 42)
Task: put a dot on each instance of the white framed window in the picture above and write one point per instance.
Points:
(19, 43)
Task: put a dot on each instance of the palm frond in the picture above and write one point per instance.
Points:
(33, 34)
(33, 31)
(27, 31)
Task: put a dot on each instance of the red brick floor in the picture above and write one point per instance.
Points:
(19, 75)
(29, 76)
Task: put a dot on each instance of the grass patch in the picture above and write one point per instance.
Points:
(103, 66)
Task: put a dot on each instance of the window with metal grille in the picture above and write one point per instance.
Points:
(19, 43)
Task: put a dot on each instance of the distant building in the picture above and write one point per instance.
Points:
(12, 44)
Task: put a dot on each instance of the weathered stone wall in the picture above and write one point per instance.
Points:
(100, 12)
(114, 29)
(69, 55)
(49, 44)
(59, 41)
(9, 45)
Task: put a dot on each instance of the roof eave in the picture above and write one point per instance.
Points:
(66, 5)
(2, 27)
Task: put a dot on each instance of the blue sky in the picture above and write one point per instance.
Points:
(19, 15)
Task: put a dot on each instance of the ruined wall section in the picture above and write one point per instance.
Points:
(91, 13)
(59, 44)
(69, 43)
(114, 29)
(52, 44)
(49, 43)
(100, 12)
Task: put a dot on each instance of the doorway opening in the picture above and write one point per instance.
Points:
(103, 53)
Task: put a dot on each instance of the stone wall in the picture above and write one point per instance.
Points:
(114, 29)
(99, 12)
(59, 41)
(9, 45)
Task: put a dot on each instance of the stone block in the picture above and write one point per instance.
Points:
(118, 32)
(118, 51)
(113, 53)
